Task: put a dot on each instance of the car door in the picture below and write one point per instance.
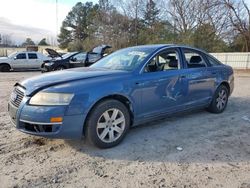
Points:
(162, 85)
(20, 60)
(200, 82)
(78, 60)
(33, 62)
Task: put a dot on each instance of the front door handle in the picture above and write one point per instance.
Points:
(139, 83)
(183, 76)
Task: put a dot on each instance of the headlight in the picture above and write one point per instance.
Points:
(50, 99)
(49, 63)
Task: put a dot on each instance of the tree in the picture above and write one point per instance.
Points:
(6, 40)
(43, 42)
(28, 42)
(151, 14)
(239, 15)
(205, 37)
(133, 10)
(78, 24)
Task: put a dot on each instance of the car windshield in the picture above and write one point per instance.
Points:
(12, 55)
(65, 56)
(126, 59)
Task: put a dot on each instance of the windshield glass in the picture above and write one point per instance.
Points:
(12, 55)
(126, 59)
(65, 56)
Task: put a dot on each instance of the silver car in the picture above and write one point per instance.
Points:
(22, 60)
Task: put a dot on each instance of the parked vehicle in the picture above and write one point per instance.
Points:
(128, 87)
(22, 60)
(66, 61)
(74, 59)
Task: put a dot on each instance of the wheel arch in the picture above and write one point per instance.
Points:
(6, 64)
(119, 97)
(226, 84)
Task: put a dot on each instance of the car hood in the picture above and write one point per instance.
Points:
(3, 59)
(37, 83)
(52, 53)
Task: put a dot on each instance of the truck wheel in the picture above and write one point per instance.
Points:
(5, 68)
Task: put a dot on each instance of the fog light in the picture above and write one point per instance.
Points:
(56, 119)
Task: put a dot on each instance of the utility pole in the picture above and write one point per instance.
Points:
(56, 18)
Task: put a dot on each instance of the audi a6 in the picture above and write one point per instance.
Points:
(126, 88)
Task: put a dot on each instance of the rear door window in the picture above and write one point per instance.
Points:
(32, 56)
(194, 59)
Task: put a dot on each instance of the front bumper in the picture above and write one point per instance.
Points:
(47, 68)
(35, 120)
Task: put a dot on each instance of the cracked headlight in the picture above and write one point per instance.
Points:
(50, 99)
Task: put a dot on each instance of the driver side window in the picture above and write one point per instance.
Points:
(21, 56)
(164, 61)
(79, 57)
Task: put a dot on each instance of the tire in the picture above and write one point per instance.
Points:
(107, 124)
(5, 68)
(59, 68)
(220, 99)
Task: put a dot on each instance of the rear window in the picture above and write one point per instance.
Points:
(32, 56)
(212, 61)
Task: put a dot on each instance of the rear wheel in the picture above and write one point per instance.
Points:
(5, 68)
(220, 100)
(107, 124)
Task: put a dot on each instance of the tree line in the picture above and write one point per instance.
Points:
(6, 41)
(213, 25)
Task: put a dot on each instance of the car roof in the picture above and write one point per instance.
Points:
(159, 46)
(28, 52)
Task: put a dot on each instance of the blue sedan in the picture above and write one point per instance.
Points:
(128, 87)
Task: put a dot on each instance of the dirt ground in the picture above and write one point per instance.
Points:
(216, 150)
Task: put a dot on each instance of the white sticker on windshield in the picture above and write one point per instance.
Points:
(137, 53)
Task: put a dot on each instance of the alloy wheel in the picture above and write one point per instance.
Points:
(221, 99)
(110, 125)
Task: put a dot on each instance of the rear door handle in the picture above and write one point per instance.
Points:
(183, 76)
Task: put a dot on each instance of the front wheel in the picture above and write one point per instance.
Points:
(4, 68)
(220, 100)
(59, 68)
(107, 124)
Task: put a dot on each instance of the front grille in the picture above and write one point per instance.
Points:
(19, 97)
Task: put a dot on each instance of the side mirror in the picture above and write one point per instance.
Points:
(14, 58)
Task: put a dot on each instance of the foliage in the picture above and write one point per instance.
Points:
(43, 42)
(28, 42)
(214, 25)
(78, 24)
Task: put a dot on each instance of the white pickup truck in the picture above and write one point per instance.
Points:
(22, 60)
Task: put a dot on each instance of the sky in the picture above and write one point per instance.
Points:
(34, 18)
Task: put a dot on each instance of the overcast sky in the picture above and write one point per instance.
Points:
(34, 18)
